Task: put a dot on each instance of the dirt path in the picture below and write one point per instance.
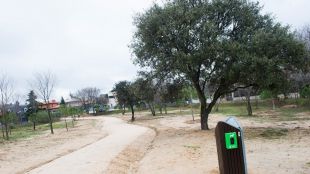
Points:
(96, 157)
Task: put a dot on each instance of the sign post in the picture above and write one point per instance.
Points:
(230, 147)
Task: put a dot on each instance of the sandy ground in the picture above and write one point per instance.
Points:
(171, 144)
(180, 147)
(24, 155)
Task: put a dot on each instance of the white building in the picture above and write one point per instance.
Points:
(112, 102)
(73, 103)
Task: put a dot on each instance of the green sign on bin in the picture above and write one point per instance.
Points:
(231, 140)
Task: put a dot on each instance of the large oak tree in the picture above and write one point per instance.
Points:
(228, 44)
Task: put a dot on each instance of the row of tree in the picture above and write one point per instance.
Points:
(43, 83)
(43, 87)
(149, 92)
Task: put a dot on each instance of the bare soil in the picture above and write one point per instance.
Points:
(181, 147)
(174, 145)
(24, 155)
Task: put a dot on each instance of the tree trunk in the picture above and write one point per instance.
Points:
(203, 106)
(160, 108)
(180, 109)
(34, 125)
(248, 106)
(51, 121)
(192, 111)
(2, 128)
(66, 125)
(6, 131)
(256, 101)
(72, 122)
(152, 109)
(123, 110)
(132, 113)
(204, 109)
(165, 107)
(204, 115)
(273, 104)
(217, 105)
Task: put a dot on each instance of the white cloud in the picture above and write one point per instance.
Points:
(85, 43)
(289, 12)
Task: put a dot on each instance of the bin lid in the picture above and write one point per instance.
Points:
(233, 122)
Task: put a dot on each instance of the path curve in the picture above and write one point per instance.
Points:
(95, 157)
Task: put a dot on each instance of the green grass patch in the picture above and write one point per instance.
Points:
(290, 114)
(273, 133)
(26, 131)
(238, 109)
(112, 112)
(280, 113)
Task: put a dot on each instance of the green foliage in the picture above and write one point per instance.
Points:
(42, 117)
(12, 118)
(62, 101)
(125, 93)
(266, 94)
(189, 93)
(33, 117)
(305, 92)
(144, 89)
(65, 111)
(304, 102)
(26, 131)
(225, 44)
(32, 104)
(9, 118)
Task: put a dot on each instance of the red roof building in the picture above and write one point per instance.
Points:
(50, 105)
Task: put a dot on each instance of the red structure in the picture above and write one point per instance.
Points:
(52, 105)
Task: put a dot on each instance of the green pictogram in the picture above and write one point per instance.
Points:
(231, 140)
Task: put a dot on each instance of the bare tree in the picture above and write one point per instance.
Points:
(88, 96)
(44, 86)
(103, 99)
(81, 96)
(6, 92)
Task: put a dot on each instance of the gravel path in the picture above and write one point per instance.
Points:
(96, 157)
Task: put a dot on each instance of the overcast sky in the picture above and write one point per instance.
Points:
(85, 42)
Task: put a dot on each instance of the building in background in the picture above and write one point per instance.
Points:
(112, 102)
(52, 105)
(73, 103)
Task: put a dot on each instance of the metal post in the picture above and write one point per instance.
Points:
(230, 147)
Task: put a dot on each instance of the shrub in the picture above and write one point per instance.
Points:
(42, 117)
(305, 92)
(266, 94)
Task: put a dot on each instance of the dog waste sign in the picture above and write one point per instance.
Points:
(230, 147)
(231, 140)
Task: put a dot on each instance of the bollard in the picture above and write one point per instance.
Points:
(230, 147)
